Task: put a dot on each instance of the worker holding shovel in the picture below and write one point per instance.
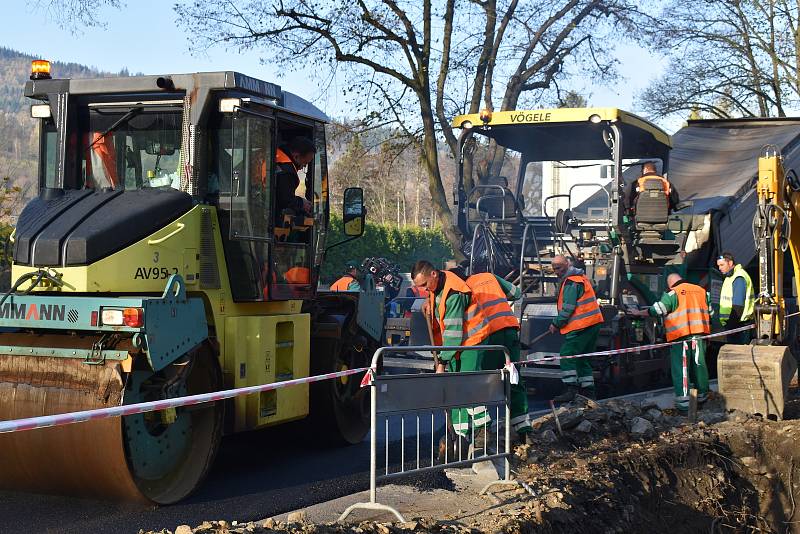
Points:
(448, 300)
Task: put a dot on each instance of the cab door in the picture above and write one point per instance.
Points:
(248, 203)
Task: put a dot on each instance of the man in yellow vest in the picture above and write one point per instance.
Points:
(349, 280)
(579, 319)
(686, 312)
(736, 300)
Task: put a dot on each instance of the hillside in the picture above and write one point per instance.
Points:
(18, 134)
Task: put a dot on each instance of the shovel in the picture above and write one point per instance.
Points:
(429, 323)
(534, 340)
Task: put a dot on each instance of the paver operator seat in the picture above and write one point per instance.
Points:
(652, 205)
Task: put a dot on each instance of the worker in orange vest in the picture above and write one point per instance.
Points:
(289, 159)
(649, 173)
(349, 280)
(579, 319)
(687, 315)
(491, 321)
(448, 300)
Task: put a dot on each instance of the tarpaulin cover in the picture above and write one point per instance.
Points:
(713, 163)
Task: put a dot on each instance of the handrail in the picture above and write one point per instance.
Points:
(160, 240)
(421, 348)
(538, 259)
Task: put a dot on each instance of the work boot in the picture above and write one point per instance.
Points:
(480, 440)
(589, 393)
(450, 444)
(568, 395)
(484, 443)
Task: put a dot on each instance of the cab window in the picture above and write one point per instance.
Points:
(129, 147)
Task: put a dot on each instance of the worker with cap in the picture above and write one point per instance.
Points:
(687, 316)
(491, 321)
(448, 300)
(579, 319)
(736, 300)
(349, 280)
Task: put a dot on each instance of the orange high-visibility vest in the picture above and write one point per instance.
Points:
(691, 316)
(283, 157)
(489, 311)
(587, 312)
(664, 183)
(342, 283)
(451, 283)
(298, 275)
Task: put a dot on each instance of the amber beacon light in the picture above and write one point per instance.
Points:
(40, 69)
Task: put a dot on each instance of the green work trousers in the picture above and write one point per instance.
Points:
(487, 360)
(578, 371)
(469, 360)
(688, 365)
(509, 338)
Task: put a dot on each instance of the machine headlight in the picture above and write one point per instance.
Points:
(40, 111)
(228, 105)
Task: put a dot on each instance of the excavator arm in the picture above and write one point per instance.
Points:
(755, 378)
(776, 228)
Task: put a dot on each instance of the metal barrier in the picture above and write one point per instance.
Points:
(404, 394)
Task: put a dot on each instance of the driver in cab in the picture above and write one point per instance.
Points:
(289, 160)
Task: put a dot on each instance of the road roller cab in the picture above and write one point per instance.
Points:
(166, 255)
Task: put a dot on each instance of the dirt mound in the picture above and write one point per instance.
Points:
(736, 475)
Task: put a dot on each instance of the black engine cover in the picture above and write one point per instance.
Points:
(80, 227)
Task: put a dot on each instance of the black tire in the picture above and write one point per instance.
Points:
(339, 408)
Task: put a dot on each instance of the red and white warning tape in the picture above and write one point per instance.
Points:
(30, 423)
(44, 421)
(641, 348)
(628, 350)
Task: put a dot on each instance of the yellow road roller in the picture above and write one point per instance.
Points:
(169, 252)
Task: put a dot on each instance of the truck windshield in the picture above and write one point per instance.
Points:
(130, 147)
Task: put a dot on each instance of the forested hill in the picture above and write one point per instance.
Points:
(15, 67)
(18, 134)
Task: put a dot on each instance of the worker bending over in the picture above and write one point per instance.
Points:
(687, 316)
(449, 298)
(736, 300)
(579, 319)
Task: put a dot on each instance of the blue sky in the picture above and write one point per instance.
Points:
(144, 37)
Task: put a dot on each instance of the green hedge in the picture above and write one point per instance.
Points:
(402, 246)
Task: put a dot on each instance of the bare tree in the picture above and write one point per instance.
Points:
(416, 63)
(729, 58)
(74, 15)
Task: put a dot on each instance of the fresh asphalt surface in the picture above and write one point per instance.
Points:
(256, 475)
